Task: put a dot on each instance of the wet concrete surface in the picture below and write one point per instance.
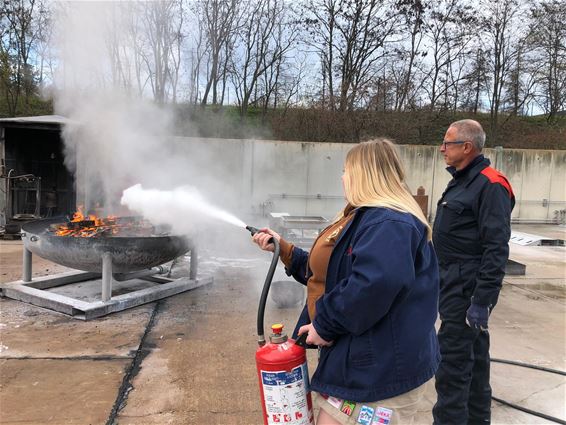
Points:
(545, 271)
(189, 359)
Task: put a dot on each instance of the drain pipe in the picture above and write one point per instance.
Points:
(121, 277)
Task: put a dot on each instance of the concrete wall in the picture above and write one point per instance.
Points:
(304, 178)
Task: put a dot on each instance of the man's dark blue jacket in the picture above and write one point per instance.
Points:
(471, 235)
(379, 308)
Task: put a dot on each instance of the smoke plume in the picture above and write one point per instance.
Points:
(116, 138)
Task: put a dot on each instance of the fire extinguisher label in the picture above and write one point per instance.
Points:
(286, 396)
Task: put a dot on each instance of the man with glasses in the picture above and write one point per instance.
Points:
(471, 237)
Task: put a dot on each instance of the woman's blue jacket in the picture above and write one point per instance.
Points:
(379, 308)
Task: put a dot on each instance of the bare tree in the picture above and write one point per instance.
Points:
(264, 42)
(44, 55)
(139, 44)
(117, 44)
(290, 85)
(396, 67)
(175, 53)
(198, 50)
(522, 81)
(413, 15)
(221, 20)
(281, 83)
(382, 93)
(450, 27)
(321, 33)
(475, 81)
(197, 53)
(163, 21)
(548, 38)
(350, 36)
(144, 45)
(363, 31)
(499, 36)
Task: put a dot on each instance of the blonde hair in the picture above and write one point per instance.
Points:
(374, 177)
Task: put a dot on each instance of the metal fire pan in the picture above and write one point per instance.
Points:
(128, 253)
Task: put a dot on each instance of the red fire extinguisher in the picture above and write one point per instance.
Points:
(284, 381)
(281, 366)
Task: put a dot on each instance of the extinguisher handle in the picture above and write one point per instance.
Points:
(301, 340)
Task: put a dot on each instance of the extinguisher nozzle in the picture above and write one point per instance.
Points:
(252, 230)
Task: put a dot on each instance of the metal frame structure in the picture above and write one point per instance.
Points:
(36, 291)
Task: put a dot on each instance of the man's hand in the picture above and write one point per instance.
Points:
(477, 317)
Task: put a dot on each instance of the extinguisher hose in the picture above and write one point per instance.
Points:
(266, 286)
(265, 291)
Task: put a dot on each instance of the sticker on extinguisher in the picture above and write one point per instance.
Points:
(285, 396)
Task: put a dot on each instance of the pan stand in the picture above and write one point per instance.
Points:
(35, 291)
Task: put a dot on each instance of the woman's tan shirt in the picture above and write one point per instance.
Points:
(319, 257)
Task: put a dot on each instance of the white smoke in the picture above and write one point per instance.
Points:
(183, 208)
(116, 138)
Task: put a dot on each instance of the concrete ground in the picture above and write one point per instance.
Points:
(189, 359)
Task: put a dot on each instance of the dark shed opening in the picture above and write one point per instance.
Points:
(36, 183)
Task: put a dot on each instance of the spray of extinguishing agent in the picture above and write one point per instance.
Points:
(281, 366)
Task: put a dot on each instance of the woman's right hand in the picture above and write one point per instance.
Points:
(263, 237)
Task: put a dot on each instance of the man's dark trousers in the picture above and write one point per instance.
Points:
(462, 380)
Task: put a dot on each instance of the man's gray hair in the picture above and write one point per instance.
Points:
(470, 131)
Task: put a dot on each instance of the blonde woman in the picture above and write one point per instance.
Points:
(372, 285)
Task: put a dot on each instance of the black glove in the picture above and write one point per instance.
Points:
(477, 317)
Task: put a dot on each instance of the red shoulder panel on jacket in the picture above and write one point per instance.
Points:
(495, 176)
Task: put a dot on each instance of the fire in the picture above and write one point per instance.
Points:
(88, 226)
(79, 216)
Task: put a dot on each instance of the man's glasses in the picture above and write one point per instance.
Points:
(445, 144)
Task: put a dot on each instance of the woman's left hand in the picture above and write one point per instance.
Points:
(313, 337)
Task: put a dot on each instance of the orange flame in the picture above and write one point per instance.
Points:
(92, 226)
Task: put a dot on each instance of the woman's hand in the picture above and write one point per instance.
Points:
(262, 238)
(313, 337)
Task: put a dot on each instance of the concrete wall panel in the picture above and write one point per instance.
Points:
(418, 162)
(280, 176)
(557, 190)
(535, 185)
(325, 193)
(512, 165)
(304, 178)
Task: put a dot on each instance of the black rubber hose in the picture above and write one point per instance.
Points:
(529, 411)
(530, 366)
(265, 291)
(524, 409)
(266, 286)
